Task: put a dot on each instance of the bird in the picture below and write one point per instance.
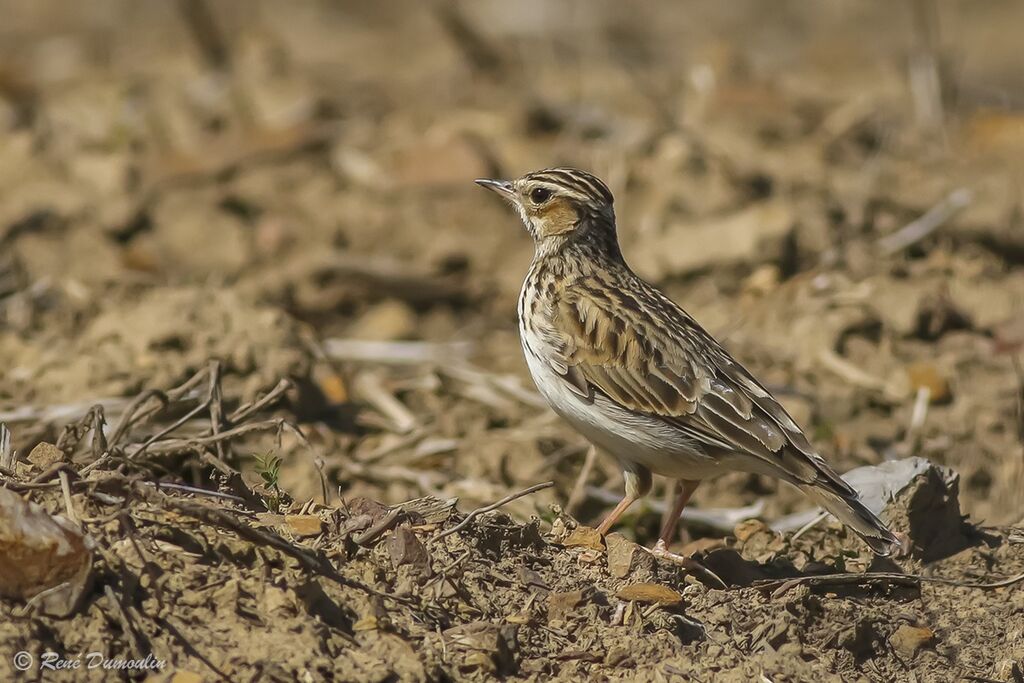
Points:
(639, 377)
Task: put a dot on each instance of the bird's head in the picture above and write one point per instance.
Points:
(560, 206)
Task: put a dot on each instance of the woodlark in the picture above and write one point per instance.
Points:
(636, 375)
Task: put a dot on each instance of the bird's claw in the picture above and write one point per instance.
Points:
(661, 552)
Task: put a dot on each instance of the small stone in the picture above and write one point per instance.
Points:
(405, 548)
(387, 320)
(650, 593)
(584, 537)
(45, 455)
(620, 555)
(42, 556)
(907, 639)
(763, 280)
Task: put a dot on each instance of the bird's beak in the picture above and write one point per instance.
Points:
(502, 187)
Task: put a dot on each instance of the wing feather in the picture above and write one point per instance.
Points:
(675, 371)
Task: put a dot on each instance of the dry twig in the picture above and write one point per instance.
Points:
(493, 506)
(932, 220)
(890, 578)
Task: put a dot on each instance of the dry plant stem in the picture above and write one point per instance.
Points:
(65, 487)
(194, 490)
(309, 560)
(853, 578)
(508, 384)
(579, 489)
(60, 412)
(932, 220)
(215, 399)
(127, 626)
(378, 529)
(168, 446)
(493, 506)
(250, 409)
(128, 417)
(182, 421)
(373, 391)
(6, 452)
(396, 353)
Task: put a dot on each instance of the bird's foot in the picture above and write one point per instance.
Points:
(695, 568)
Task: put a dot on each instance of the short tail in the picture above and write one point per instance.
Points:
(848, 509)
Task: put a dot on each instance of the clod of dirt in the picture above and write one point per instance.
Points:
(482, 646)
(158, 339)
(620, 555)
(928, 510)
(44, 455)
(42, 558)
(405, 548)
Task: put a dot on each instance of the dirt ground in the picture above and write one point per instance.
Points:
(258, 337)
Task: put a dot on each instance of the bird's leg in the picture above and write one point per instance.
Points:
(614, 515)
(638, 483)
(684, 490)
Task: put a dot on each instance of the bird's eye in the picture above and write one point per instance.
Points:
(539, 195)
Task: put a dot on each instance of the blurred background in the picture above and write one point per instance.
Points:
(834, 189)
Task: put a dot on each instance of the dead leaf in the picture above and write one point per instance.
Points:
(701, 545)
(650, 592)
(927, 376)
(584, 537)
(907, 639)
(747, 528)
(304, 525)
(560, 604)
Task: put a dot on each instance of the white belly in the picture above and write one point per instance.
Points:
(629, 437)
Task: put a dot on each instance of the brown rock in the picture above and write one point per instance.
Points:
(39, 552)
(45, 455)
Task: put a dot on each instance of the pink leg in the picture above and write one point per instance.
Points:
(638, 483)
(614, 515)
(684, 490)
